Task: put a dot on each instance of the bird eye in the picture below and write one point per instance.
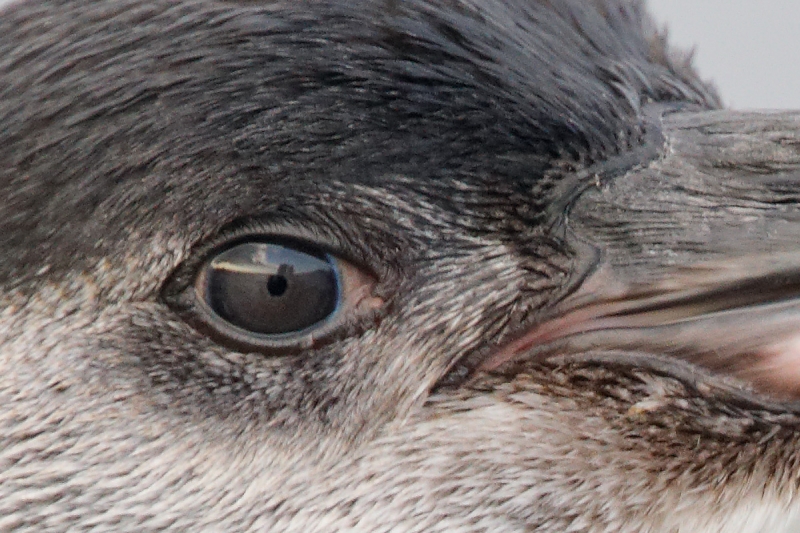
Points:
(270, 289)
(271, 294)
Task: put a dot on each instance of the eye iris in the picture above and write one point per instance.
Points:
(271, 289)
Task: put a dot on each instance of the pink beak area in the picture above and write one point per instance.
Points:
(740, 318)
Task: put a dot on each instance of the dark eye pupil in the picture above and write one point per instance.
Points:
(276, 285)
(269, 288)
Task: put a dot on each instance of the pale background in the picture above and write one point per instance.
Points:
(750, 48)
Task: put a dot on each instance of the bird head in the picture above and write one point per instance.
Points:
(388, 266)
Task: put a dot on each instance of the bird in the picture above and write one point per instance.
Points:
(377, 266)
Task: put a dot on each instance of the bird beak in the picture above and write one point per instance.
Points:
(740, 317)
(697, 255)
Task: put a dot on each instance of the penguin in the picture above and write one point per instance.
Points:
(378, 266)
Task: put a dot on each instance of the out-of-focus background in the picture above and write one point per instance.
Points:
(749, 48)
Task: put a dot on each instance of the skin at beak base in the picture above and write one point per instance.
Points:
(739, 319)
